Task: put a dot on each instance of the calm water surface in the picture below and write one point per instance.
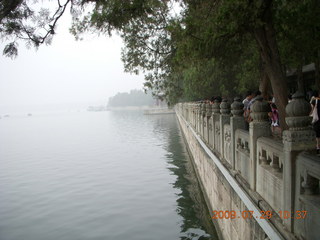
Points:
(98, 175)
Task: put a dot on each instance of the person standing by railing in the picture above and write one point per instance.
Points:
(247, 99)
(274, 117)
(247, 109)
(315, 103)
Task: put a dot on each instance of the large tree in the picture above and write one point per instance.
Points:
(228, 28)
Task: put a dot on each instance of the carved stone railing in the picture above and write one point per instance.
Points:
(270, 172)
(225, 132)
(216, 126)
(299, 137)
(307, 197)
(242, 154)
(210, 127)
(227, 156)
(274, 171)
(206, 120)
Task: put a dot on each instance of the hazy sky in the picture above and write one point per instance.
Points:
(67, 71)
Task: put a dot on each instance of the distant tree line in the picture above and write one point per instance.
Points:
(134, 98)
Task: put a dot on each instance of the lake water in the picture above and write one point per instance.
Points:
(98, 175)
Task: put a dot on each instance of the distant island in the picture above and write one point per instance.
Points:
(135, 98)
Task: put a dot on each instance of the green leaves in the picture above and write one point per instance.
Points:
(11, 50)
(18, 21)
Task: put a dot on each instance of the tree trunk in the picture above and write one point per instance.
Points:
(264, 86)
(300, 78)
(266, 40)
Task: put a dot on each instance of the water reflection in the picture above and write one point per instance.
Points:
(191, 206)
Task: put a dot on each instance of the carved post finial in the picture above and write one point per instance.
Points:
(298, 113)
(208, 109)
(203, 108)
(237, 107)
(216, 107)
(225, 107)
(260, 110)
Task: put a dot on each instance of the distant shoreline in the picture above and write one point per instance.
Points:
(132, 108)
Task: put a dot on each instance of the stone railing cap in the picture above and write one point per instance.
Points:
(298, 111)
(237, 107)
(298, 94)
(259, 98)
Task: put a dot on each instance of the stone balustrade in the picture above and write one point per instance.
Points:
(277, 172)
(307, 195)
(269, 169)
(242, 155)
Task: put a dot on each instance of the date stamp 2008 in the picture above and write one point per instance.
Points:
(231, 214)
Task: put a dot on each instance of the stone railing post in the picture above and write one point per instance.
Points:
(182, 109)
(197, 106)
(224, 118)
(216, 125)
(203, 114)
(199, 118)
(299, 137)
(210, 126)
(206, 122)
(192, 115)
(259, 127)
(236, 122)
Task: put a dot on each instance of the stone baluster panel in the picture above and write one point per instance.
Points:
(236, 122)
(216, 125)
(206, 122)
(225, 139)
(197, 117)
(203, 120)
(211, 128)
(258, 127)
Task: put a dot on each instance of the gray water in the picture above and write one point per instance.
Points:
(98, 175)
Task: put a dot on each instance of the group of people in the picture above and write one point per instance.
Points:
(274, 115)
(250, 98)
